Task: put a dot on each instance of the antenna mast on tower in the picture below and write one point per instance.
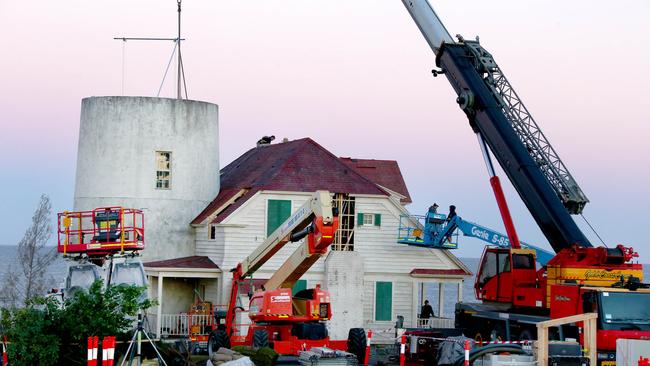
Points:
(181, 84)
(179, 67)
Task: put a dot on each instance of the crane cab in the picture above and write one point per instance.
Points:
(508, 275)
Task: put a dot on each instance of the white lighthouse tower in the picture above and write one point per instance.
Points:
(156, 154)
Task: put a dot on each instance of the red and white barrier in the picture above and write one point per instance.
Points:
(108, 351)
(368, 338)
(468, 346)
(506, 342)
(93, 344)
(5, 359)
(402, 351)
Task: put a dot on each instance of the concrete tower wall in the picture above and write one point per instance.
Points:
(116, 164)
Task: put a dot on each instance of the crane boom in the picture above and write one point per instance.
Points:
(297, 226)
(496, 113)
(317, 220)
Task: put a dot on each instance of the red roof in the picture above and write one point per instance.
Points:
(195, 261)
(386, 173)
(439, 272)
(225, 195)
(295, 166)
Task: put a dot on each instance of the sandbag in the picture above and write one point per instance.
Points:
(452, 350)
(225, 351)
(244, 361)
(216, 357)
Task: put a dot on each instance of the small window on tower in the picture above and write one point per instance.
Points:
(163, 169)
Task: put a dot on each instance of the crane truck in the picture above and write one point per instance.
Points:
(580, 278)
(279, 319)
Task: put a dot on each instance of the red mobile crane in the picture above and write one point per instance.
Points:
(286, 322)
(579, 278)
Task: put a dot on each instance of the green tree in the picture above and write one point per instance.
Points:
(46, 334)
(30, 331)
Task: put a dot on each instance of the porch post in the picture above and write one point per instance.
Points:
(159, 311)
(414, 312)
(441, 298)
(460, 290)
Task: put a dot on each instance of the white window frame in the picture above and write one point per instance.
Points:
(366, 217)
(159, 169)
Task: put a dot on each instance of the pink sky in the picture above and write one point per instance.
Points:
(354, 76)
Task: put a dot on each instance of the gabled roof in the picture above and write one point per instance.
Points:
(386, 173)
(195, 261)
(295, 166)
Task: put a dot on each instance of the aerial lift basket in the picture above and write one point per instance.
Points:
(100, 232)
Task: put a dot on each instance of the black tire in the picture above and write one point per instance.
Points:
(217, 339)
(357, 344)
(260, 338)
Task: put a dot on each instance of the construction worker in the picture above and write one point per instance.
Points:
(452, 212)
(426, 312)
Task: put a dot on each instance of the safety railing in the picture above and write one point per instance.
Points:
(100, 231)
(446, 323)
(178, 325)
(413, 230)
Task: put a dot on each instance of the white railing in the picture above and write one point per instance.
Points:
(175, 325)
(447, 323)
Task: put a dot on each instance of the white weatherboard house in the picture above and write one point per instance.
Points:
(371, 278)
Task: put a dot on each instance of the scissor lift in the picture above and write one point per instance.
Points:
(100, 232)
(91, 238)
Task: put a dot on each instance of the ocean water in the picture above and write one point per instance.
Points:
(9, 260)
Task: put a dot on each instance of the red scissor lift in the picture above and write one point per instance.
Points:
(100, 232)
(91, 238)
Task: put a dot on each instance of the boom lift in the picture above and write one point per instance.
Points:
(580, 278)
(440, 231)
(286, 322)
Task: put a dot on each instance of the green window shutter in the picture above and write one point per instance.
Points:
(277, 212)
(359, 219)
(384, 301)
(299, 286)
(377, 219)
